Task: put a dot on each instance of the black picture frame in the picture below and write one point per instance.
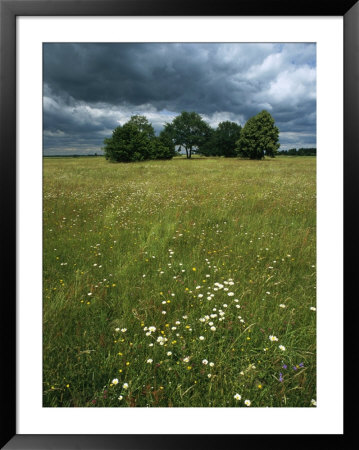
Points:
(9, 10)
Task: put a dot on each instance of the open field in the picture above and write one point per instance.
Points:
(179, 283)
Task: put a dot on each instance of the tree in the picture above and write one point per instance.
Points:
(223, 140)
(259, 137)
(227, 135)
(143, 125)
(135, 141)
(159, 149)
(128, 143)
(166, 138)
(188, 130)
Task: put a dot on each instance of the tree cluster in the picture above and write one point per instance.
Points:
(299, 152)
(136, 140)
(258, 138)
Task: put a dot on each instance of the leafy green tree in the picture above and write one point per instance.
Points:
(188, 130)
(223, 141)
(166, 138)
(259, 137)
(160, 150)
(127, 144)
(292, 151)
(208, 146)
(135, 141)
(143, 125)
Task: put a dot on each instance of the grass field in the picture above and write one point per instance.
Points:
(187, 283)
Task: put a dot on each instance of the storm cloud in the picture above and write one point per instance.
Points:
(89, 89)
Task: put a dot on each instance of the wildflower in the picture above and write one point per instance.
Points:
(285, 366)
(125, 385)
(312, 308)
(186, 359)
(281, 377)
(120, 397)
(273, 338)
(230, 294)
(123, 330)
(211, 364)
(200, 295)
(213, 328)
(152, 329)
(237, 397)
(114, 381)
(281, 347)
(169, 353)
(247, 402)
(209, 375)
(313, 402)
(281, 305)
(149, 361)
(205, 362)
(259, 386)
(201, 338)
(161, 340)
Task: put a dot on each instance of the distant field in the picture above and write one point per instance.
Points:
(179, 283)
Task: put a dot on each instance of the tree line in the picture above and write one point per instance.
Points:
(299, 152)
(136, 139)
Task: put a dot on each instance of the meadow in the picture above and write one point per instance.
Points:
(179, 283)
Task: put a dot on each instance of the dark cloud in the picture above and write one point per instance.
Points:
(90, 88)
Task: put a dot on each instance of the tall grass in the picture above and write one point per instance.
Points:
(216, 254)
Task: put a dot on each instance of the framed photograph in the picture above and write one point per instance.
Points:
(174, 180)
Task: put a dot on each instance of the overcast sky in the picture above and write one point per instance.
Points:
(89, 89)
